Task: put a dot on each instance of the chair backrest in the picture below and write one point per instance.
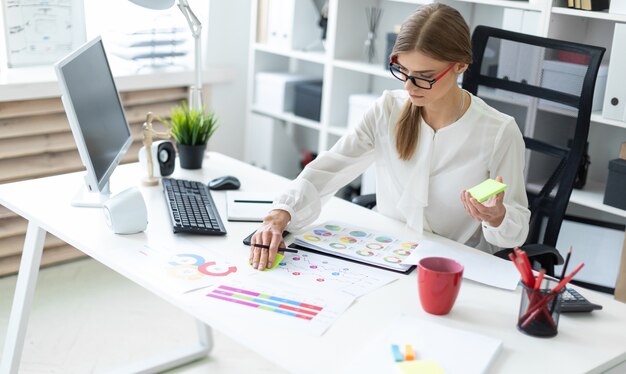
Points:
(544, 82)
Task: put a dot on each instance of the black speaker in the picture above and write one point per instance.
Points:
(163, 158)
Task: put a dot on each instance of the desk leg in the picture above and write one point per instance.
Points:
(24, 291)
(177, 358)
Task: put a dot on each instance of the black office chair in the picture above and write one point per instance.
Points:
(509, 64)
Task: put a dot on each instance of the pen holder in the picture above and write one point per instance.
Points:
(540, 310)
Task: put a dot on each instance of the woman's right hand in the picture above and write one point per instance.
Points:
(271, 234)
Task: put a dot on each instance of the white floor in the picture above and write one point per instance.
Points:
(88, 319)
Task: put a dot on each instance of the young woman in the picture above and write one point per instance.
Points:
(429, 142)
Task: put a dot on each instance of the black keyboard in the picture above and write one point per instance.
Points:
(191, 207)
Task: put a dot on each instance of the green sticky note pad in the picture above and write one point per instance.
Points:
(277, 261)
(486, 189)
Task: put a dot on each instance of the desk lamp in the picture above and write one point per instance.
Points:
(196, 27)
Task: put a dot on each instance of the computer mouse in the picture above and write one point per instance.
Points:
(226, 182)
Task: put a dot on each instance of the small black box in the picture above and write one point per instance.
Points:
(308, 99)
(615, 193)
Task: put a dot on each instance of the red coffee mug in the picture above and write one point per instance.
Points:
(438, 282)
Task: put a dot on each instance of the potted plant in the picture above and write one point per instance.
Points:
(192, 129)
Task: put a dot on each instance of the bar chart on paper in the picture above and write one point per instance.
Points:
(279, 305)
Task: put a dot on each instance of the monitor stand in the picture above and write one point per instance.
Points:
(87, 199)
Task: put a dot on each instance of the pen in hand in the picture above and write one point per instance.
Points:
(282, 249)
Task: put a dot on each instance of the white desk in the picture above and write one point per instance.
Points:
(586, 343)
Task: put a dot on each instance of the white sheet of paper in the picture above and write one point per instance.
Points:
(277, 306)
(456, 351)
(248, 206)
(311, 270)
(478, 266)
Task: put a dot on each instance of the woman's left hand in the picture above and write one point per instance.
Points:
(491, 211)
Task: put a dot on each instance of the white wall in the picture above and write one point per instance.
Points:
(227, 44)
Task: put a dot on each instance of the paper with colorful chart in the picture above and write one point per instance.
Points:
(277, 306)
(187, 269)
(359, 244)
(311, 270)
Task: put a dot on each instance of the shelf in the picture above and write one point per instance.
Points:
(506, 4)
(289, 117)
(590, 196)
(364, 67)
(500, 3)
(313, 56)
(337, 130)
(597, 118)
(605, 15)
(492, 94)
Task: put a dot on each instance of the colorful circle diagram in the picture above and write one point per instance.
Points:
(365, 253)
(312, 238)
(188, 272)
(216, 270)
(375, 246)
(401, 252)
(332, 227)
(358, 234)
(347, 239)
(338, 246)
(187, 259)
(384, 239)
(409, 245)
(392, 259)
(322, 232)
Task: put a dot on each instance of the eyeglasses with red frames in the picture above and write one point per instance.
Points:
(426, 84)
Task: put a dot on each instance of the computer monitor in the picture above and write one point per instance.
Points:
(96, 116)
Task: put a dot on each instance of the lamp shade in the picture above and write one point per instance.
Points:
(154, 4)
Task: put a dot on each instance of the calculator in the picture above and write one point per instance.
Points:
(574, 302)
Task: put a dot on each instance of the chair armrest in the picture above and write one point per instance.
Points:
(367, 201)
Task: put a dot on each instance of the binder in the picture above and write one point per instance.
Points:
(594, 5)
(615, 94)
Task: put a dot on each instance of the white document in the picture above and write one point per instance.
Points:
(478, 266)
(277, 306)
(248, 206)
(320, 272)
(453, 350)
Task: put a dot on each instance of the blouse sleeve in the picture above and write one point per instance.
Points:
(331, 170)
(508, 161)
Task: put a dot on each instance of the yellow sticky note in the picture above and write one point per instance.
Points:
(277, 261)
(420, 367)
(486, 189)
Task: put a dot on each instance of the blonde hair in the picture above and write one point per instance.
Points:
(440, 32)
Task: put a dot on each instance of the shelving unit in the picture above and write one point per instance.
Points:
(344, 72)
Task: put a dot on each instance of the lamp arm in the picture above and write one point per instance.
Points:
(190, 16)
(196, 29)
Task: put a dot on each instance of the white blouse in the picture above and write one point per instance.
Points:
(424, 191)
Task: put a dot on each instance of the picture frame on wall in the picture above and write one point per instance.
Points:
(41, 32)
